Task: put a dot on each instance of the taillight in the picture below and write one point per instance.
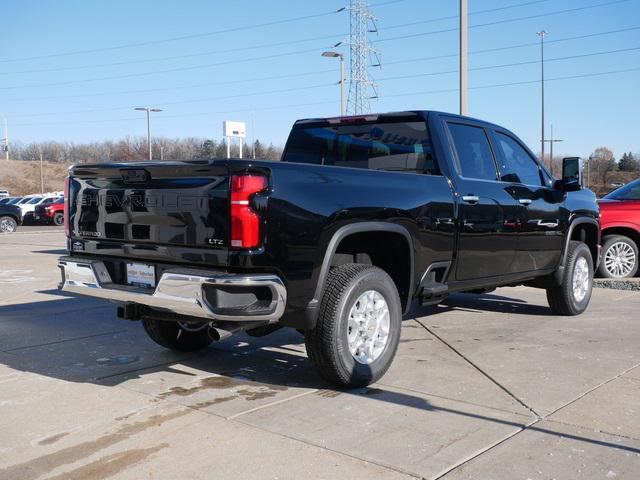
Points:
(245, 223)
(67, 228)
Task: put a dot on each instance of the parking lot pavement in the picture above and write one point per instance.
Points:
(484, 386)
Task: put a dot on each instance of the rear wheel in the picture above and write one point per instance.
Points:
(619, 257)
(8, 225)
(356, 336)
(180, 336)
(573, 295)
(58, 219)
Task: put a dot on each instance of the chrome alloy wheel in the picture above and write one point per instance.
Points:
(368, 327)
(580, 279)
(619, 259)
(7, 226)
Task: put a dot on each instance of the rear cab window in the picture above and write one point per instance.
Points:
(400, 146)
(474, 156)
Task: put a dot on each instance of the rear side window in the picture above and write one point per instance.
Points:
(392, 146)
(474, 152)
(516, 165)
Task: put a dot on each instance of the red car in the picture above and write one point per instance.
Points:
(620, 224)
(52, 213)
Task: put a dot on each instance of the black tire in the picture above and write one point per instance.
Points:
(8, 225)
(614, 241)
(58, 219)
(327, 343)
(173, 336)
(562, 299)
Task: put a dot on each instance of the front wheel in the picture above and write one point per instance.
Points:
(619, 257)
(8, 225)
(180, 336)
(358, 330)
(58, 219)
(573, 295)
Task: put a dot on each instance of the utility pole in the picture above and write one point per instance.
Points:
(542, 34)
(41, 175)
(463, 56)
(341, 81)
(148, 110)
(551, 142)
(5, 145)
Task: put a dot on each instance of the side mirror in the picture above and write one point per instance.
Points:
(571, 174)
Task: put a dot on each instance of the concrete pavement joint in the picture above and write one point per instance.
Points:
(277, 402)
(63, 341)
(470, 362)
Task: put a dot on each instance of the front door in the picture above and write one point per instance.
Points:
(540, 240)
(487, 214)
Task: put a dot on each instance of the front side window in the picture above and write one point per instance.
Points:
(630, 191)
(516, 165)
(34, 200)
(474, 152)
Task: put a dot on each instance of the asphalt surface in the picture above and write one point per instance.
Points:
(484, 387)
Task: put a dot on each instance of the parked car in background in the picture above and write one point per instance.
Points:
(50, 213)
(4, 193)
(620, 223)
(14, 200)
(7, 200)
(10, 218)
(29, 206)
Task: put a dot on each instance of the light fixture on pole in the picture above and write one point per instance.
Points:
(341, 82)
(5, 145)
(148, 110)
(542, 34)
(463, 56)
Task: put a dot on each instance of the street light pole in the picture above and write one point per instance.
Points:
(341, 82)
(148, 110)
(6, 138)
(463, 56)
(542, 34)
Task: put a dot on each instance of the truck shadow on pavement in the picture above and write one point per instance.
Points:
(79, 340)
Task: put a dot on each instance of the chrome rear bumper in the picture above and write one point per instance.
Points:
(178, 291)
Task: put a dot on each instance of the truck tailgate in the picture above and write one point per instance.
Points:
(180, 204)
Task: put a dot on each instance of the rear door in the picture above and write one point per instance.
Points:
(540, 239)
(487, 215)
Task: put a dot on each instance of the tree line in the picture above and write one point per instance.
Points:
(131, 149)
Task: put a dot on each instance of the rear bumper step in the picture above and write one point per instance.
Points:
(179, 291)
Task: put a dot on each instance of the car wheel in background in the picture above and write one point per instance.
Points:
(357, 332)
(619, 257)
(58, 219)
(8, 225)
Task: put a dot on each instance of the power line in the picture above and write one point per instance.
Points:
(278, 55)
(332, 101)
(401, 77)
(316, 72)
(189, 37)
(499, 22)
(163, 89)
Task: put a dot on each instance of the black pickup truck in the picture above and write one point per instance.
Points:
(361, 217)
(10, 218)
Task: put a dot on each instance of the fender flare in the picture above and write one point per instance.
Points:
(360, 227)
(559, 275)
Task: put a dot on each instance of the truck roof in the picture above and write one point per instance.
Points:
(375, 117)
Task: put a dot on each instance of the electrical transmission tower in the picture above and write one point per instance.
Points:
(362, 55)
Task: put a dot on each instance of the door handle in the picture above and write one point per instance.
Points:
(470, 198)
(525, 201)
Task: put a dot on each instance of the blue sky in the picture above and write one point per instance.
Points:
(201, 80)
